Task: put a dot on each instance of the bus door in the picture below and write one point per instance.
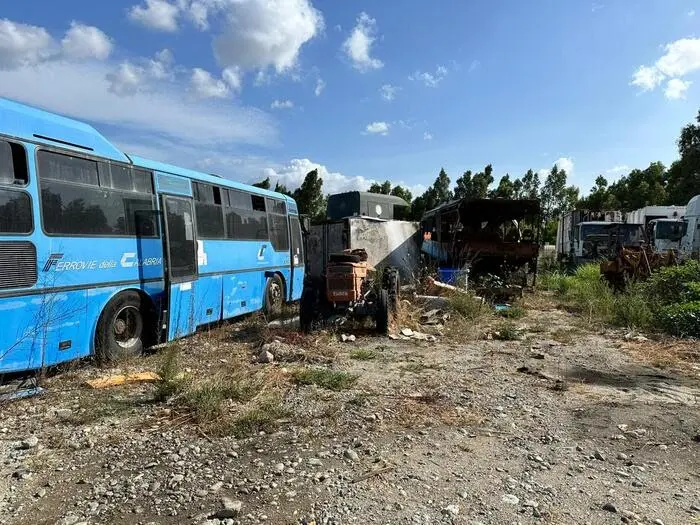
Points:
(181, 252)
(298, 259)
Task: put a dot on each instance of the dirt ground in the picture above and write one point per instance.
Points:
(569, 423)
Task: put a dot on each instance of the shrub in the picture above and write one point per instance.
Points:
(466, 305)
(631, 309)
(516, 311)
(507, 332)
(172, 379)
(681, 319)
(675, 284)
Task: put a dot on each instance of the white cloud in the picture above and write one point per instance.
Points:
(566, 164)
(156, 14)
(264, 33)
(282, 104)
(130, 77)
(126, 80)
(430, 79)
(647, 78)
(232, 76)
(292, 175)
(473, 66)
(563, 163)
(358, 46)
(680, 58)
(82, 91)
(22, 44)
(388, 92)
(427, 136)
(676, 88)
(203, 85)
(83, 41)
(198, 13)
(320, 86)
(377, 128)
(623, 168)
(691, 12)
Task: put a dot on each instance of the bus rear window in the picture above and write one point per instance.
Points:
(13, 164)
(15, 212)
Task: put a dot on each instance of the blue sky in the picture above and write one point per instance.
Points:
(365, 90)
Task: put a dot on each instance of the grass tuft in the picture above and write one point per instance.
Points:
(325, 378)
(363, 354)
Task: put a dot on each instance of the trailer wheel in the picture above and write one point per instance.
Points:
(381, 316)
(120, 329)
(274, 297)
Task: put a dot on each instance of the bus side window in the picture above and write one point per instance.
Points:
(13, 164)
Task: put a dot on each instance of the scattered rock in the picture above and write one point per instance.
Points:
(451, 510)
(348, 338)
(599, 455)
(315, 462)
(407, 332)
(351, 454)
(231, 509)
(610, 507)
(510, 499)
(265, 356)
(30, 442)
(530, 503)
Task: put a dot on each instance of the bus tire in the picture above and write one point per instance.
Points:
(274, 296)
(121, 329)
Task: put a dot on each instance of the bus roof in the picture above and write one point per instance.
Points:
(205, 177)
(39, 126)
(36, 125)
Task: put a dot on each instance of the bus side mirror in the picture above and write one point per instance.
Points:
(305, 222)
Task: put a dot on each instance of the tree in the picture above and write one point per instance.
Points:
(403, 193)
(463, 186)
(481, 182)
(684, 174)
(597, 199)
(281, 188)
(309, 196)
(443, 193)
(264, 184)
(552, 194)
(531, 185)
(384, 188)
(505, 189)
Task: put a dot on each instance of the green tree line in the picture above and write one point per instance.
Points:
(655, 185)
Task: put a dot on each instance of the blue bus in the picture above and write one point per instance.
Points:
(102, 253)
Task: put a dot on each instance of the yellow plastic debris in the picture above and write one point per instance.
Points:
(122, 379)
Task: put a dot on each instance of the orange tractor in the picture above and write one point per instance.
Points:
(350, 287)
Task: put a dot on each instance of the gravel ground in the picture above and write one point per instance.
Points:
(568, 424)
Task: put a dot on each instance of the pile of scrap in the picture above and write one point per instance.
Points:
(634, 264)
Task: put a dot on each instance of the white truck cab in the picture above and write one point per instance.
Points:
(666, 234)
(690, 243)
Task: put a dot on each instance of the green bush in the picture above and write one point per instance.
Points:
(631, 310)
(681, 319)
(675, 284)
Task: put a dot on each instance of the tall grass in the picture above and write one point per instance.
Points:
(587, 292)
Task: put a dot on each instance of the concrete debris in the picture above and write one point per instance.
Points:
(407, 333)
(435, 316)
(631, 336)
(348, 338)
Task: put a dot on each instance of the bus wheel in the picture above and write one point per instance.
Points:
(274, 297)
(120, 330)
